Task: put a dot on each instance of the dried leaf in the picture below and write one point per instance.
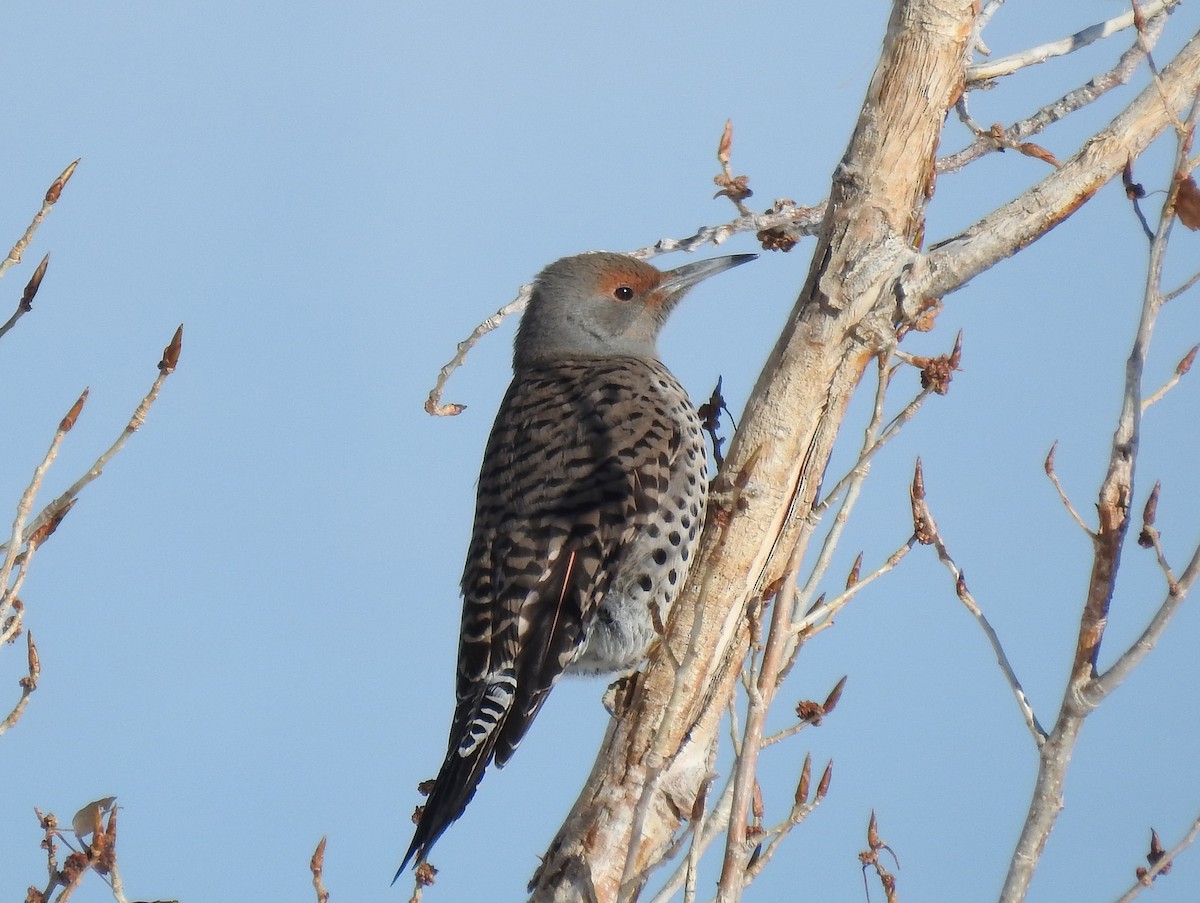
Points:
(1037, 151)
(84, 821)
(1187, 203)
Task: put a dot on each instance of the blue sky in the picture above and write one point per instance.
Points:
(247, 626)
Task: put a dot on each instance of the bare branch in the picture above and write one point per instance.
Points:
(986, 139)
(1040, 54)
(52, 195)
(25, 305)
(1085, 690)
(16, 540)
(28, 684)
(926, 529)
(1098, 688)
(1001, 233)
(55, 508)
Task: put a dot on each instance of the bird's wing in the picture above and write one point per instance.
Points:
(579, 457)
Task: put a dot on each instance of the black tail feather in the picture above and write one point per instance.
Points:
(455, 786)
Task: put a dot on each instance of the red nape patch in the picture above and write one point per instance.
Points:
(642, 279)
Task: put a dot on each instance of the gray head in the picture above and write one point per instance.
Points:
(604, 305)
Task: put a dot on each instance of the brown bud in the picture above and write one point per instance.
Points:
(956, 351)
(171, 353)
(805, 778)
(1151, 509)
(826, 777)
(34, 660)
(725, 144)
(1048, 466)
(855, 570)
(34, 283)
(918, 481)
(72, 415)
(835, 694)
(1188, 359)
(55, 190)
(1157, 853)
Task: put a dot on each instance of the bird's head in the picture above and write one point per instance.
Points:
(605, 305)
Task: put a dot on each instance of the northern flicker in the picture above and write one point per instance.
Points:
(589, 505)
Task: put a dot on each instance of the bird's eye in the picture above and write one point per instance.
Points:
(623, 293)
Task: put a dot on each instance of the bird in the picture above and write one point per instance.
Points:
(589, 505)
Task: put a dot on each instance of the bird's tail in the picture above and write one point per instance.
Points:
(473, 738)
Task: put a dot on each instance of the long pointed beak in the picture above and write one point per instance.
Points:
(679, 280)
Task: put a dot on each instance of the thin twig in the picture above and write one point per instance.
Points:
(1163, 863)
(821, 617)
(317, 866)
(733, 873)
(25, 505)
(1040, 54)
(52, 195)
(28, 684)
(1181, 369)
(1085, 690)
(1172, 295)
(1099, 687)
(166, 367)
(25, 305)
(985, 141)
(1048, 466)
